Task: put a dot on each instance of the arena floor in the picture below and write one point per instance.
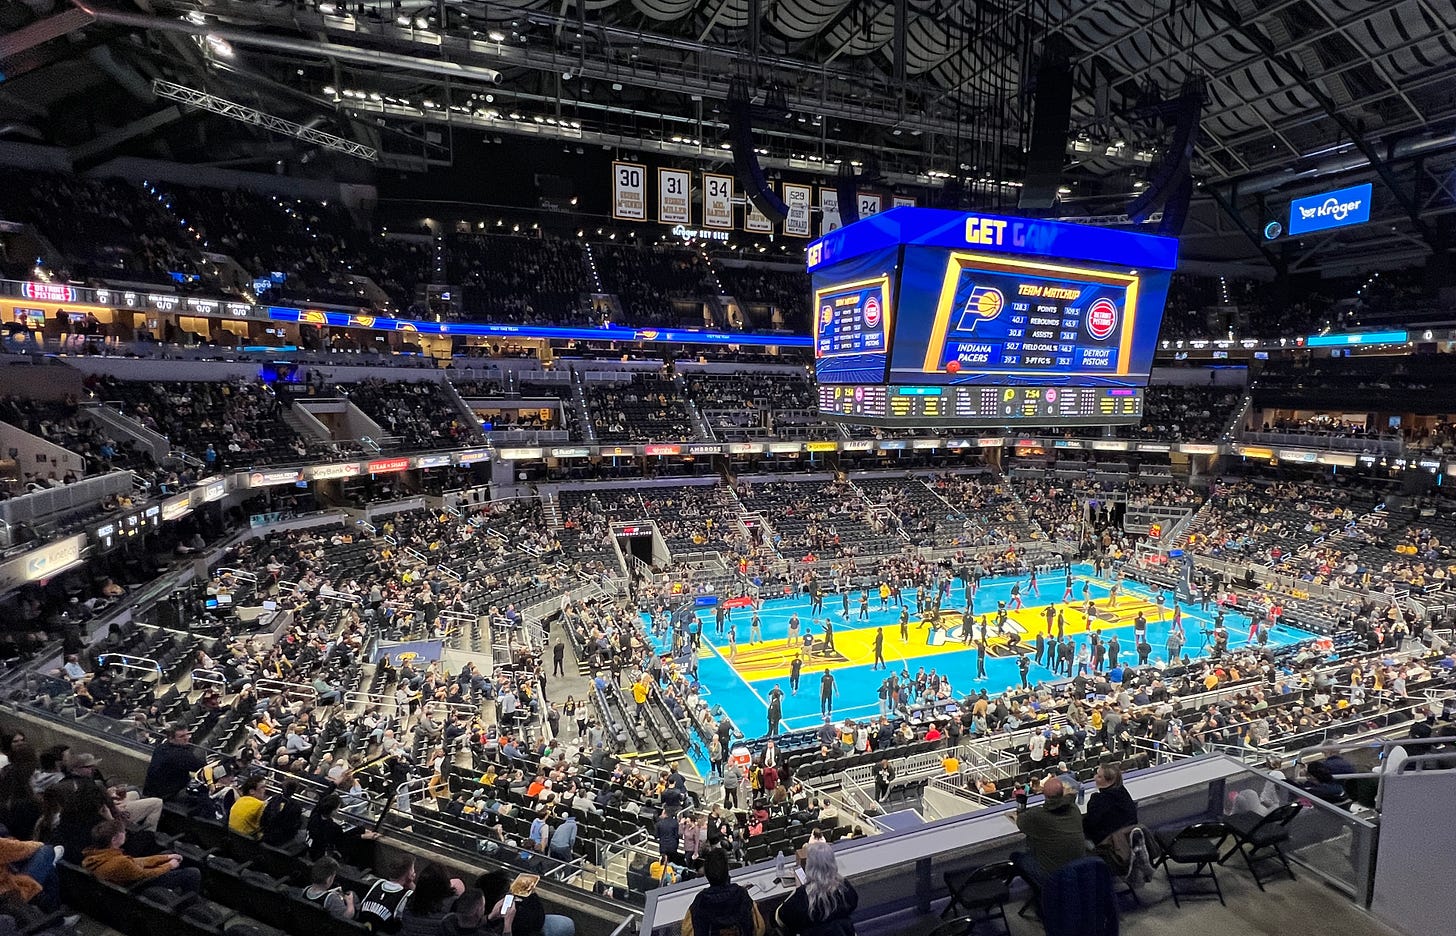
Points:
(741, 684)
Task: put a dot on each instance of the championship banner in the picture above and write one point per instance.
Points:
(717, 201)
(799, 221)
(673, 196)
(629, 191)
(869, 204)
(903, 201)
(828, 211)
(755, 220)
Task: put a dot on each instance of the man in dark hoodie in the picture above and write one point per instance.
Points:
(723, 907)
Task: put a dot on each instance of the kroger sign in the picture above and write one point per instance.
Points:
(1330, 210)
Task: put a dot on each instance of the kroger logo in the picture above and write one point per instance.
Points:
(1331, 208)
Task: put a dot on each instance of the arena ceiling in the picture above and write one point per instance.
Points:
(1299, 93)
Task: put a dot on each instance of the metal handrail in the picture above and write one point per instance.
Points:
(125, 661)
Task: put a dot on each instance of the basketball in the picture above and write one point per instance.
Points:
(954, 367)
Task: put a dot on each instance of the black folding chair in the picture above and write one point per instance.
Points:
(978, 896)
(1261, 838)
(1200, 845)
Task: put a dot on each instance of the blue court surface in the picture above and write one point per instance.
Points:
(741, 686)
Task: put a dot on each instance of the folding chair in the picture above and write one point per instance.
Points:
(1261, 838)
(1199, 845)
(981, 893)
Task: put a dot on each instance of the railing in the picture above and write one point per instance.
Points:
(39, 506)
(290, 691)
(138, 664)
(903, 869)
(1377, 445)
(1384, 746)
(912, 767)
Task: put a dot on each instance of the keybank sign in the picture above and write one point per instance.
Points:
(1330, 210)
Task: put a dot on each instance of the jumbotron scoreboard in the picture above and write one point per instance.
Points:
(939, 318)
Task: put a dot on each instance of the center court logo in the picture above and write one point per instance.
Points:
(982, 305)
(1101, 318)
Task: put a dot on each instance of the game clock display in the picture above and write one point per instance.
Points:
(981, 406)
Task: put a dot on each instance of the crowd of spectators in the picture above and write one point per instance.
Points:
(816, 519)
(105, 228)
(535, 280)
(62, 422)
(1253, 521)
(420, 413)
(232, 424)
(786, 290)
(758, 404)
(652, 281)
(648, 407)
(317, 247)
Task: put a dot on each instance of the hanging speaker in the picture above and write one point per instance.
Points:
(746, 168)
(1051, 116)
(1172, 179)
(846, 186)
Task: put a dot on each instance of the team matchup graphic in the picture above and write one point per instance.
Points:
(1013, 317)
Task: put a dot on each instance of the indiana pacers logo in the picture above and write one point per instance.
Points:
(1101, 318)
(982, 305)
(826, 316)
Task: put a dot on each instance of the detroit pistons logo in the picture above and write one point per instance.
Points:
(1101, 319)
(872, 312)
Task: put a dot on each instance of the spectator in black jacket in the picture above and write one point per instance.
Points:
(1111, 807)
(282, 818)
(326, 836)
(173, 763)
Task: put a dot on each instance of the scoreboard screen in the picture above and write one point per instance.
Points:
(927, 317)
(852, 319)
(1009, 320)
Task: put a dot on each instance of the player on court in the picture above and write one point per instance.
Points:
(1067, 594)
(1112, 594)
(879, 649)
(1031, 583)
(904, 624)
(1091, 613)
(793, 629)
(1162, 601)
(1016, 595)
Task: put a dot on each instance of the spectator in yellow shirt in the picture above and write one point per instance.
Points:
(639, 695)
(246, 816)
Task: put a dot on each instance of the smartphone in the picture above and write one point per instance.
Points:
(507, 903)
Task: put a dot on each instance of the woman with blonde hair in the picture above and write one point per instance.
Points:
(824, 903)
